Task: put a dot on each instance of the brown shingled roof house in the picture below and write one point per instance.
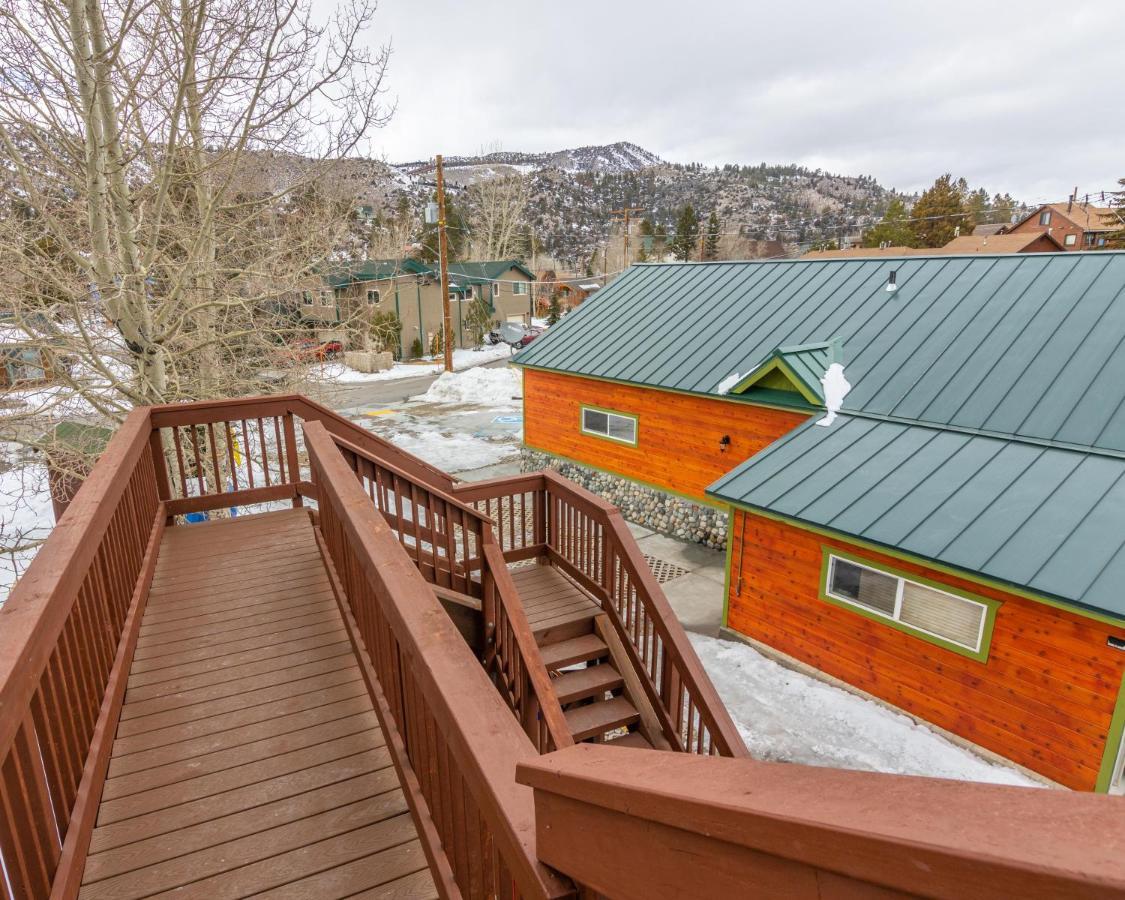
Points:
(1076, 226)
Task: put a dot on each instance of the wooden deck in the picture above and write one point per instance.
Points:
(554, 604)
(249, 759)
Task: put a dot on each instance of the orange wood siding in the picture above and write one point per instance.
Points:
(677, 434)
(1044, 698)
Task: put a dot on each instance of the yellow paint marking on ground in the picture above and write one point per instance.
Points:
(372, 413)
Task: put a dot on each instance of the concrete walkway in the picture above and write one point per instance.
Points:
(697, 596)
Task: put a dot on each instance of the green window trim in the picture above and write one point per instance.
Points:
(1113, 742)
(609, 412)
(990, 606)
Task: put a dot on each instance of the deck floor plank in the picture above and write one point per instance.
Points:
(248, 758)
(550, 598)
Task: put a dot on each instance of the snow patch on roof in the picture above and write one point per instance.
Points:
(729, 382)
(836, 387)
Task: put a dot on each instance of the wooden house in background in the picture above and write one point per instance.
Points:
(951, 541)
(1076, 226)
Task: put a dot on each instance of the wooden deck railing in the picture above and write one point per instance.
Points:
(454, 547)
(221, 454)
(637, 825)
(65, 638)
(586, 537)
(455, 742)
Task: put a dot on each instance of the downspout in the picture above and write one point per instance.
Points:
(401, 351)
(421, 325)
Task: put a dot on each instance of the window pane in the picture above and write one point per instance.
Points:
(939, 613)
(867, 588)
(622, 428)
(592, 420)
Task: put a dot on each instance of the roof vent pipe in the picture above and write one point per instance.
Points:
(891, 285)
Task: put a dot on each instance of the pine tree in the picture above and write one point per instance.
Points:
(939, 212)
(893, 230)
(979, 208)
(478, 322)
(1004, 209)
(711, 241)
(554, 309)
(687, 233)
(456, 234)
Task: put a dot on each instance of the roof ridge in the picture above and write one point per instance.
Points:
(987, 433)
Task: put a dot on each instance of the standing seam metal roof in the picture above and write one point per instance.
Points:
(1030, 345)
(1039, 517)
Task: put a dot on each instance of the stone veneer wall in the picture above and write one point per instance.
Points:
(669, 514)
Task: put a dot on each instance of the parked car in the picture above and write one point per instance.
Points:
(514, 334)
(305, 350)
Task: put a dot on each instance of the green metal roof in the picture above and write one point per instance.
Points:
(1027, 344)
(489, 270)
(1035, 516)
(373, 270)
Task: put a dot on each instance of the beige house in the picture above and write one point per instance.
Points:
(412, 291)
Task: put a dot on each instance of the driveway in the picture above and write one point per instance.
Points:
(376, 393)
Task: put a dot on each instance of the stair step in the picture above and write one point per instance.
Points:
(576, 650)
(593, 681)
(632, 739)
(567, 625)
(597, 718)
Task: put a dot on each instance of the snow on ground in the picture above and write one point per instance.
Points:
(462, 359)
(451, 451)
(787, 716)
(484, 387)
(26, 516)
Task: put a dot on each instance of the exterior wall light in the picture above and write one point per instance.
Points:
(724, 442)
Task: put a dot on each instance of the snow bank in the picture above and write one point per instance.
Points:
(484, 387)
(786, 716)
(463, 359)
(836, 387)
(453, 452)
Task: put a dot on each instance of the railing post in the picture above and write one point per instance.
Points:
(291, 454)
(156, 448)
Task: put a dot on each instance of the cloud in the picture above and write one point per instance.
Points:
(1021, 103)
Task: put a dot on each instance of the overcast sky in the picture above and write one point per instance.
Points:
(1026, 97)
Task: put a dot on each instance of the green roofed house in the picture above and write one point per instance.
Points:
(412, 290)
(916, 464)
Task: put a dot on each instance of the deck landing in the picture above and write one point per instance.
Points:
(248, 759)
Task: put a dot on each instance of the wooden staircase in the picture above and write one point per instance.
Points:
(586, 675)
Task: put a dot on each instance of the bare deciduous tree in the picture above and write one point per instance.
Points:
(169, 167)
(498, 213)
(167, 190)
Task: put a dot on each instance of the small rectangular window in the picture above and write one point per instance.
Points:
(495, 289)
(609, 425)
(1045, 217)
(925, 609)
(307, 298)
(372, 296)
(1071, 240)
(519, 287)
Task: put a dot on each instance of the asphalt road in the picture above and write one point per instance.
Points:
(375, 393)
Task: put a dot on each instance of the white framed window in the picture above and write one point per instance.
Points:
(307, 298)
(519, 287)
(1045, 217)
(1071, 240)
(372, 296)
(495, 289)
(326, 298)
(454, 298)
(610, 425)
(951, 618)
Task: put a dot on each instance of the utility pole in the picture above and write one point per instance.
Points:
(626, 212)
(446, 316)
(702, 237)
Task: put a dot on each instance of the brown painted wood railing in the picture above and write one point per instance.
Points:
(454, 547)
(455, 742)
(586, 537)
(65, 640)
(638, 825)
(230, 453)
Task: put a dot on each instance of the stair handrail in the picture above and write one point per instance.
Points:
(540, 713)
(679, 665)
